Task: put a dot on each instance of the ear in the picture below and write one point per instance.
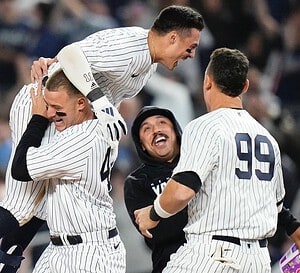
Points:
(246, 86)
(82, 103)
(173, 36)
(207, 84)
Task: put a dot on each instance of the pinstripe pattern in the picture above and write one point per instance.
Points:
(77, 194)
(249, 257)
(21, 198)
(233, 156)
(226, 204)
(82, 258)
(114, 56)
(74, 161)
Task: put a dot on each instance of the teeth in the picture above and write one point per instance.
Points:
(159, 139)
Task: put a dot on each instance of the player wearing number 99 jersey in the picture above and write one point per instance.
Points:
(229, 173)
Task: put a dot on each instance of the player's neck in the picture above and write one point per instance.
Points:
(151, 45)
(223, 101)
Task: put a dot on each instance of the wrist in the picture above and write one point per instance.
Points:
(153, 215)
(95, 94)
(101, 103)
(158, 211)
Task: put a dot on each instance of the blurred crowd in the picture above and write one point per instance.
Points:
(267, 31)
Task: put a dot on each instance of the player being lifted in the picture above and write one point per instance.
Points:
(121, 61)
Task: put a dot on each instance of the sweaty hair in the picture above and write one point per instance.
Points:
(177, 18)
(229, 69)
(59, 79)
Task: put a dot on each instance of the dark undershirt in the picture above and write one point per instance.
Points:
(32, 137)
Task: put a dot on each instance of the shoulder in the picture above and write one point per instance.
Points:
(23, 97)
(136, 176)
(121, 32)
(85, 130)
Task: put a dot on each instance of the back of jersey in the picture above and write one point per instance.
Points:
(239, 165)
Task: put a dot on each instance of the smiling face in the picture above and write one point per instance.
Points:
(64, 109)
(179, 46)
(158, 138)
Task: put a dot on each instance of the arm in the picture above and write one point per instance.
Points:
(291, 225)
(32, 136)
(78, 71)
(295, 236)
(173, 199)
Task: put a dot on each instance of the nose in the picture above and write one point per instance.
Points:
(192, 54)
(157, 128)
(51, 112)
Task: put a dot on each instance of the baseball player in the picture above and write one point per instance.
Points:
(153, 132)
(78, 160)
(24, 200)
(229, 173)
(157, 136)
(122, 60)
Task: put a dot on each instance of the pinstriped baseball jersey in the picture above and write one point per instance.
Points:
(78, 160)
(120, 61)
(239, 165)
(21, 198)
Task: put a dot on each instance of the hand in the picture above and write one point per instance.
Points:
(144, 222)
(38, 103)
(109, 115)
(39, 68)
(295, 236)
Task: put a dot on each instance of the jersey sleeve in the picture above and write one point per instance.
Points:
(199, 150)
(20, 113)
(65, 157)
(280, 189)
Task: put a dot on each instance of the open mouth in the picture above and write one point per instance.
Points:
(159, 139)
(57, 121)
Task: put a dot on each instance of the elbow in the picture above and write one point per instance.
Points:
(17, 175)
(19, 172)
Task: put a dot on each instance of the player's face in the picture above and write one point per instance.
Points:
(63, 109)
(181, 47)
(158, 138)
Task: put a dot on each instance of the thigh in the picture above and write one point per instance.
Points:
(89, 257)
(217, 256)
(42, 265)
(199, 257)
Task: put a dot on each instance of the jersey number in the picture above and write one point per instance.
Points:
(106, 169)
(261, 155)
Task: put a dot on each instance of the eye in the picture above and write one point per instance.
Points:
(146, 129)
(189, 50)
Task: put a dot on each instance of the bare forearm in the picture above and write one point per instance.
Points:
(175, 197)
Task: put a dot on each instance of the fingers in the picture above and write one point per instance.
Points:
(142, 222)
(36, 90)
(147, 234)
(37, 98)
(39, 68)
